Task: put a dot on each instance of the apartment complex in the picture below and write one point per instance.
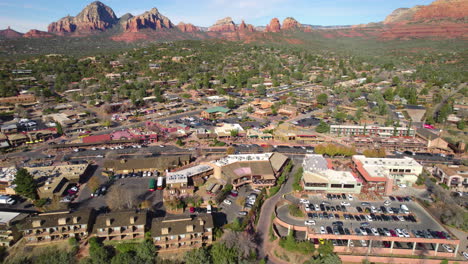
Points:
(319, 176)
(180, 233)
(121, 225)
(57, 226)
(259, 170)
(381, 174)
(182, 183)
(353, 130)
(9, 233)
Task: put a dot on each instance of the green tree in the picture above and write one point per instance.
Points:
(234, 133)
(331, 259)
(123, 258)
(197, 256)
(230, 104)
(461, 124)
(322, 99)
(250, 109)
(261, 90)
(146, 251)
(97, 252)
(59, 128)
(325, 249)
(25, 184)
(179, 142)
(222, 254)
(322, 127)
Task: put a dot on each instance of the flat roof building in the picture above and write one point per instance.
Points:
(354, 130)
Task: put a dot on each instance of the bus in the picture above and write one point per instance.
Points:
(152, 184)
(160, 183)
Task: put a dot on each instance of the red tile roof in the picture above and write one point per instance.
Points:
(97, 138)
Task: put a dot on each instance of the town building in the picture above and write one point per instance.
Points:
(215, 112)
(434, 141)
(454, 176)
(225, 129)
(121, 225)
(259, 170)
(182, 183)
(319, 176)
(57, 226)
(7, 176)
(388, 143)
(160, 164)
(381, 174)
(9, 233)
(19, 99)
(177, 234)
(355, 130)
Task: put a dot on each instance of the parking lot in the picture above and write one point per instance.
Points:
(232, 210)
(344, 216)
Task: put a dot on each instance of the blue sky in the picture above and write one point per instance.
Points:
(23, 15)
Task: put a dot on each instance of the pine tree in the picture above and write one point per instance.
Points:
(25, 184)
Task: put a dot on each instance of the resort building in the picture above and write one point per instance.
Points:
(454, 176)
(121, 225)
(354, 130)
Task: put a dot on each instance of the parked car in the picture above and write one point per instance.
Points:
(228, 202)
(309, 222)
(243, 213)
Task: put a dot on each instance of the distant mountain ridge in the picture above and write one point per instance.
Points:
(96, 17)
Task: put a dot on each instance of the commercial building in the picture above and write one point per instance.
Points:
(381, 174)
(121, 225)
(181, 233)
(454, 176)
(7, 176)
(319, 176)
(215, 112)
(182, 183)
(353, 130)
(57, 226)
(259, 170)
(160, 164)
(390, 144)
(225, 130)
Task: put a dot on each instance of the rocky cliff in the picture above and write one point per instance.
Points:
(94, 17)
(274, 26)
(443, 9)
(149, 20)
(246, 27)
(402, 15)
(187, 27)
(223, 25)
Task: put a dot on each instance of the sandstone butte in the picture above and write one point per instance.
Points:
(94, 17)
(290, 23)
(246, 27)
(443, 9)
(274, 26)
(10, 33)
(223, 25)
(149, 20)
(187, 27)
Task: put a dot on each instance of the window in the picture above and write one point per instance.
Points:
(182, 236)
(407, 170)
(171, 237)
(336, 186)
(157, 238)
(348, 186)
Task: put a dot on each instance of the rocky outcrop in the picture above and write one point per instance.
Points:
(246, 27)
(401, 15)
(149, 20)
(10, 33)
(124, 19)
(187, 27)
(34, 33)
(443, 9)
(274, 26)
(290, 23)
(94, 17)
(223, 25)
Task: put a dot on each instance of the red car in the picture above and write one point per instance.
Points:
(192, 210)
(234, 193)
(393, 233)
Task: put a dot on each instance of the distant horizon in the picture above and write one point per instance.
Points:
(21, 15)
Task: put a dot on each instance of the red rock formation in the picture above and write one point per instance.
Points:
(187, 27)
(10, 33)
(442, 9)
(94, 17)
(246, 27)
(34, 33)
(274, 26)
(149, 20)
(401, 15)
(223, 25)
(290, 23)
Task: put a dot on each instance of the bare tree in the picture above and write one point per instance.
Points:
(120, 197)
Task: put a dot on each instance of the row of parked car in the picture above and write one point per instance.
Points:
(360, 217)
(136, 174)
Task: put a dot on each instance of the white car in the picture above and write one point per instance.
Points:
(345, 203)
(465, 254)
(405, 233)
(317, 207)
(369, 218)
(373, 209)
(374, 231)
(448, 248)
(399, 233)
(363, 243)
(309, 222)
(350, 197)
(351, 243)
(228, 202)
(389, 210)
(304, 201)
(322, 230)
(307, 208)
(363, 231)
(387, 203)
(402, 185)
(401, 218)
